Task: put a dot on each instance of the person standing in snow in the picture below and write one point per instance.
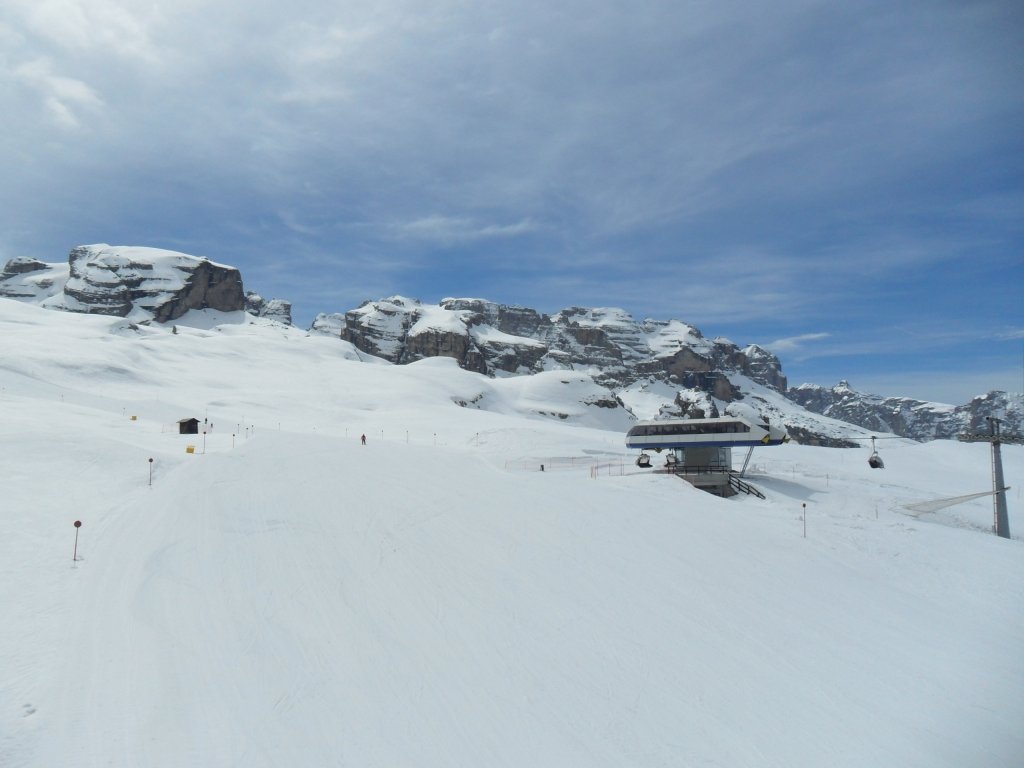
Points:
(363, 438)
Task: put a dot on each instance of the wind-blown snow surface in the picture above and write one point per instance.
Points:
(290, 597)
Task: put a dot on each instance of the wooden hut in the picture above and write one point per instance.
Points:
(188, 427)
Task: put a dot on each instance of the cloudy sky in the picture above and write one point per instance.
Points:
(839, 182)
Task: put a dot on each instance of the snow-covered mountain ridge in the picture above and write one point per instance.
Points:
(918, 419)
(650, 368)
(500, 339)
(140, 283)
(145, 283)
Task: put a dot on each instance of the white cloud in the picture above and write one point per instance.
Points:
(65, 97)
(795, 344)
(450, 230)
(107, 26)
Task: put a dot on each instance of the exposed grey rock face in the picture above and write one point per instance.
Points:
(506, 338)
(440, 342)
(273, 309)
(513, 320)
(695, 405)
(328, 324)
(20, 266)
(764, 367)
(25, 278)
(120, 280)
(916, 419)
(380, 327)
(497, 339)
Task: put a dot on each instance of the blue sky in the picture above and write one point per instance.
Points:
(842, 183)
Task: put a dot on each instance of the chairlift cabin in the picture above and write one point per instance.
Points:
(874, 460)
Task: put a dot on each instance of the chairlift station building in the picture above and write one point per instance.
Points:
(700, 450)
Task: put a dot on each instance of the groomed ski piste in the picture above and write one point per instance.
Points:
(285, 596)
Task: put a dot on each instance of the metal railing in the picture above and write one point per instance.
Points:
(741, 486)
(735, 482)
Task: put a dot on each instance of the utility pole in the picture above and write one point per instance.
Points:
(1001, 523)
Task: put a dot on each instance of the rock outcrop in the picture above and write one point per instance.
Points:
(278, 310)
(118, 280)
(606, 343)
(497, 339)
(20, 266)
(24, 278)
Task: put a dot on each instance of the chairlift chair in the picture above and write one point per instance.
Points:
(643, 460)
(874, 460)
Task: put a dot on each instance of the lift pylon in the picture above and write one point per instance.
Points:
(1001, 523)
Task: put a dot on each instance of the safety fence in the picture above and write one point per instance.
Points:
(564, 463)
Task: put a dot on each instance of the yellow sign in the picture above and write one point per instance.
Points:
(190, 449)
(766, 439)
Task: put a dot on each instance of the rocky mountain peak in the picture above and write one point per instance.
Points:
(918, 419)
(126, 280)
(273, 309)
(607, 342)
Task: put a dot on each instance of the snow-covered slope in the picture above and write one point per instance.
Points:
(284, 595)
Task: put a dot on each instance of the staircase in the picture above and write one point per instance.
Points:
(718, 481)
(742, 486)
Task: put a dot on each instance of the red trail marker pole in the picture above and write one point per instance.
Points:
(78, 524)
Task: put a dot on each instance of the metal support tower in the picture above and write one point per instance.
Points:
(1001, 519)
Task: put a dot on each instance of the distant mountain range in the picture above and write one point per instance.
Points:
(651, 368)
(918, 419)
